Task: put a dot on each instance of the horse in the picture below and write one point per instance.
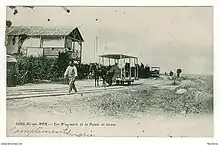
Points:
(98, 71)
(103, 74)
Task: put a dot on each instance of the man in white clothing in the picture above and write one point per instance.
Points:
(71, 74)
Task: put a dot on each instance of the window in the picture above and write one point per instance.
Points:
(13, 40)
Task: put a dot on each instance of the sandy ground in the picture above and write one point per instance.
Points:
(57, 114)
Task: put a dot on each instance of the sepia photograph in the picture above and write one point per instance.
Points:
(77, 71)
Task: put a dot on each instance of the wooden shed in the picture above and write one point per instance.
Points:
(44, 41)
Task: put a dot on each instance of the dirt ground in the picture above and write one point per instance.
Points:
(47, 114)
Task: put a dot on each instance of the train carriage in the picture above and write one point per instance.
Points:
(124, 70)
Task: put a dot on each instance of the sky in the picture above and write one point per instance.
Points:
(169, 37)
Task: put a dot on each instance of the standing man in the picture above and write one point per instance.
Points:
(171, 74)
(71, 74)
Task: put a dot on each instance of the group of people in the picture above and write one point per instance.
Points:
(172, 75)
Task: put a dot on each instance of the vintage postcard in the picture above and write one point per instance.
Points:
(109, 71)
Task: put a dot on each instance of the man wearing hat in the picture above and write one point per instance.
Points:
(71, 74)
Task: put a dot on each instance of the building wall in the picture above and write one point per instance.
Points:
(69, 44)
(31, 46)
(34, 51)
(53, 42)
(77, 46)
(31, 42)
(51, 45)
(53, 51)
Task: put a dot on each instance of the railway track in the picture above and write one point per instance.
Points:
(37, 92)
(48, 93)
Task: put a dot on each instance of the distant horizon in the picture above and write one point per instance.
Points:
(184, 74)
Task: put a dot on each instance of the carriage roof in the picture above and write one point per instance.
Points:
(155, 67)
(116, 56)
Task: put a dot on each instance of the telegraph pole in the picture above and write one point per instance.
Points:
(96, 41)
(94, 45)
(97, 48)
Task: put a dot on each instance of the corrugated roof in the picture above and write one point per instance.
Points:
(36, 31)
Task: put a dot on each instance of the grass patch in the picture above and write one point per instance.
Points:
(198, 99)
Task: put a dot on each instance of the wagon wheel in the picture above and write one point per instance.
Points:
(110, 82)
(129, 83)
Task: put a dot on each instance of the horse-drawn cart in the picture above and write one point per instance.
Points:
(125, 69)
(155, 71)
